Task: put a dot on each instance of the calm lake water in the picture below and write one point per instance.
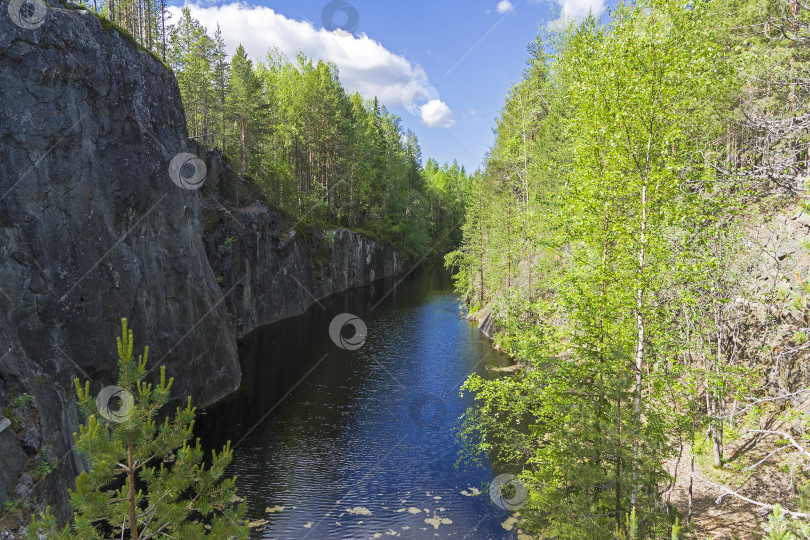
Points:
(361, 443)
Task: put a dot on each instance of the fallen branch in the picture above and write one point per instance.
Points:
(766, 458)
(733, 493)
(758, 401)
(786, 436)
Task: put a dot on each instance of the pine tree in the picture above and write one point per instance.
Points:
(220, 73)
(243, 96)
(192, 51)
(314, 151)
(145, 479)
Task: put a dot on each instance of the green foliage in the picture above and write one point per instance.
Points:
(604, 239)
(21, 400)
(111, 26)
(17, 409)
(630, 531)
(783, 527)
(46, 462)
(226, 245)
(145, 479)
(314, 151)
(15, 508)
(501, 340)
(778, 525)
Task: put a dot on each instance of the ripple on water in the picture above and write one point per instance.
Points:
(364, 446)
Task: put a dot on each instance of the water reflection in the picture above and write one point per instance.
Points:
(337, 443)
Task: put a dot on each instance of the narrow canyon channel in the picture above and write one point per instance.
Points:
(337, 443)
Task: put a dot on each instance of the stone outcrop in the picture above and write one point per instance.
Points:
(485, 320)
(776, 332)
(271, 267)
(93, 229)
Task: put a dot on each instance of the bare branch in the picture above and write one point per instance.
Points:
(766, 458)
(762, 400)
(786, 436)
(729, 491)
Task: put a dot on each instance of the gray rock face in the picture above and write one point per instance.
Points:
(778, 330)
(270, 269)
(93, 229)
(486, 322)
(13, 460)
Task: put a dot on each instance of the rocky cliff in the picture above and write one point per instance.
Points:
(774, 328)
(92, 229)
(270, 267)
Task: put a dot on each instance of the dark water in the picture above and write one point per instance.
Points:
(361, 443)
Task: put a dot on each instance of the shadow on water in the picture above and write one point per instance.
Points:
(358, 443)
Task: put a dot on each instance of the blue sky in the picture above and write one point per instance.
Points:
(444, 66)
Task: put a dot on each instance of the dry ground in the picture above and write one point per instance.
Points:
(718, 515)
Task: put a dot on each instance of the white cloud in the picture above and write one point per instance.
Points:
(436, 113)
(365, 65)
(578, 9)
(504, 6)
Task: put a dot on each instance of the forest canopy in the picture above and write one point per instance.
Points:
(323, 156)
(607, 239)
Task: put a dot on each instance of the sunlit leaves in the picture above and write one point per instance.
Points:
(629, 204)
(174, 493)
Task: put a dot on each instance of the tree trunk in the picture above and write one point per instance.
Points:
(163, 26)
(140, 22)
(328, 193)
(509, 241)
(149, 24)
(717, 445)
(691, 477)
(244, 145)
(639, 341)
(717, 432)
(133, 511)
(717, 402)
(619, 465)
(223, 115)
(481, 250)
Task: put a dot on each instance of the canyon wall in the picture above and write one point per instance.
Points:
(93, 228)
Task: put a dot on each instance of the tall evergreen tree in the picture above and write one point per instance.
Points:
(242, 102)
(220, 75)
